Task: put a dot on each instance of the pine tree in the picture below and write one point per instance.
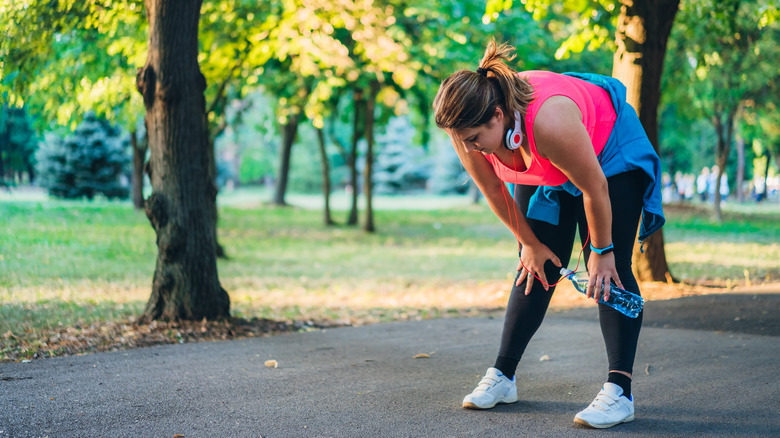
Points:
(17, 146)
(400, 167)
(87, 163)
(449, 176)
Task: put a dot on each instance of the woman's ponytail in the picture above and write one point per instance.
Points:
(517, 92)
(468, 99)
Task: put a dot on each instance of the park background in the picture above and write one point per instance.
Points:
(337, 201)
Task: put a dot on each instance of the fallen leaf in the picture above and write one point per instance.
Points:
(178, 436)
(544, 358)
(421, 356)
(272, 363)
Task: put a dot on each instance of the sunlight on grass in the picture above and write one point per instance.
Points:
(71, 263)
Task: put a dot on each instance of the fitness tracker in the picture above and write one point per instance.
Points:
(602, 251)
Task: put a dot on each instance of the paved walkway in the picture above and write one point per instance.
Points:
(707, 366)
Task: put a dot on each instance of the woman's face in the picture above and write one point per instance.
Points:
(487, 138)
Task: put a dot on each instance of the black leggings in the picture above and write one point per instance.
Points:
(525, 313)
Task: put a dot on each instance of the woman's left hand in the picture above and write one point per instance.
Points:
(602, 271)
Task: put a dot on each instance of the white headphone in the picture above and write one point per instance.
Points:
(514, 137)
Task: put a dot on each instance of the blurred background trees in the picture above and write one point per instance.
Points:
(334, 96)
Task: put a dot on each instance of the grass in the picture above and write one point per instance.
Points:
(75, 264)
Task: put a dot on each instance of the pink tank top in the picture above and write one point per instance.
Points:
(598, 116)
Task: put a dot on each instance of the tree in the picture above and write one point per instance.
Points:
(398, 165)
(18, 144)
(87, 163)
(186, 285)
(65, 59)
(351, 49)
(642, 34)
(732, 61)
(762, 127)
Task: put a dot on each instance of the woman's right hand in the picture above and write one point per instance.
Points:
(532, 260)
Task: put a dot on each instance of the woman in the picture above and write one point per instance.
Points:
(580, 158)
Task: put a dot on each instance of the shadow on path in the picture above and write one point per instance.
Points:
(756, 314)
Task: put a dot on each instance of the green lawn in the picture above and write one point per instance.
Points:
(70, 263)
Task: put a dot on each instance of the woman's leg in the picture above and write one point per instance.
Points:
(524, 313)
(620, 332)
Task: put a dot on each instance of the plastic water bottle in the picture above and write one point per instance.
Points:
(625, 302)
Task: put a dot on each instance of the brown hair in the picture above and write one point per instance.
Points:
(469, 99)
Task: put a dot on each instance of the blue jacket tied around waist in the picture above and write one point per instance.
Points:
(627, 148)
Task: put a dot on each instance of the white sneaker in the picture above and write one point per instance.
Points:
(494, 388)
(610, 408)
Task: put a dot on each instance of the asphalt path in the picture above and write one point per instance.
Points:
(706, 366)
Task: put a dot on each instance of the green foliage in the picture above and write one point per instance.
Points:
(18, 144)
(581, 24)
(723, 55)
(62, 57)
(86, 164)
(721, 63)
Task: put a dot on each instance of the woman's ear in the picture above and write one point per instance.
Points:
(499, 114)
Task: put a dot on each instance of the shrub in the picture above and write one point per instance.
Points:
(89, 162)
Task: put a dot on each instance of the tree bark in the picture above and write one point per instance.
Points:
(31, 173)
(325, 177)
(724, 132)
(761, 196)
(220, 251)
(186, 284)
(642, 34)
(357, 133)
(139, 157)
(368, 176)
(289, 131)
(740, 168)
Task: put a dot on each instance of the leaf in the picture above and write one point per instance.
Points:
(422, 356)
(272, 364)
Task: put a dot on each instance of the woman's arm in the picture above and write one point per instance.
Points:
(502, 203)
(562, 138)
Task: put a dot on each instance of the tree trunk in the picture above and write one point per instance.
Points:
(761, 196)
(474, 192)
(642, 34)
(31, 173)
(325, 177)
(358, 104)
(139, 157)
(740, 168)
(368, 176)
(289, 131)
(220, 251)
(186, 284)
(724, 132)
